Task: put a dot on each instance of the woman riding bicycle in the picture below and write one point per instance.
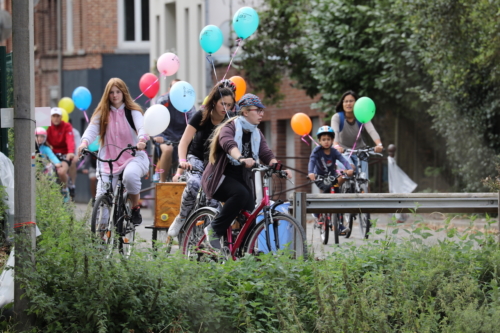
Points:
(193, 148)
(234, 149)
(118, 120)
(346, 128)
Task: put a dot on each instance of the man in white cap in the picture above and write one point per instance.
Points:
(60, 138)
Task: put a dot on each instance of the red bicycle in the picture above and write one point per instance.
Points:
(275, 232)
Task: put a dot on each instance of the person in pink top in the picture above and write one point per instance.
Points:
(116, 131)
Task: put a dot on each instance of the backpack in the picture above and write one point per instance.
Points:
(130, 119)
(342, 118)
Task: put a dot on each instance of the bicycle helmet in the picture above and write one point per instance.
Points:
(40, 131)
(227, 84)
(325, 130)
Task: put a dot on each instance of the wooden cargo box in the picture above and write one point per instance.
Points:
(167, 203)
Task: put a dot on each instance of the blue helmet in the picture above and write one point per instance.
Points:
(325, 130)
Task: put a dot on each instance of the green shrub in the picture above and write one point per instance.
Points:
(381, 286)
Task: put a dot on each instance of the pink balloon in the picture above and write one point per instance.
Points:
(168, 64)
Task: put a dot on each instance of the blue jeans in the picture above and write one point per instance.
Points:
(364, 164)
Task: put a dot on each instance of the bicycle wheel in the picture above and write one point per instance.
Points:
(194, 243)
(291, 236)
(336, 226)
(101, 221)
(324, 228)
(349, 219)
(364, 224)
(126, 228)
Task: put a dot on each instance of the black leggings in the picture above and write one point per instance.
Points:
(236, 196)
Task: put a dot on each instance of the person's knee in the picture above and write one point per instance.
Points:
(166, 149)
(132, 182)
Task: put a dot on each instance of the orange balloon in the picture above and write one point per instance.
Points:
(301, 124)
(241, 87)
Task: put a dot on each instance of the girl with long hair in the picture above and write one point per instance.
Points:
(118, 120)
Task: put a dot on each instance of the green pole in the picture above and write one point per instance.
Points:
(4, 135)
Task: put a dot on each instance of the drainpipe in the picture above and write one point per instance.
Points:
(59, 48)
(208, 67)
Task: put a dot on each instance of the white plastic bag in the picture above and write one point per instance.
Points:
(399, 182)
(7, 180)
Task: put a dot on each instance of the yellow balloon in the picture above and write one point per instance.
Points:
(67, 104)
(65, 115)
(205, 101)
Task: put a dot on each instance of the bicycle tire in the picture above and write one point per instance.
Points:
(291, 236)
(194, 241)
(101, 230)
(324, 230)
(364, 224)
(336, 227)
(125, 227)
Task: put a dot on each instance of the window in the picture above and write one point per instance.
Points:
(133, 24)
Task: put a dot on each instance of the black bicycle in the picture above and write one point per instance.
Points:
(112, 212)
(157, 155)
(358, 183)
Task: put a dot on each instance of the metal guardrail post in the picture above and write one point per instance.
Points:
(299, 209)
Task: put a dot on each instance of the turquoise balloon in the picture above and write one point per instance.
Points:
(245, 22)
(182, 96)
(94, 146)
(364, 109)
(211, 38)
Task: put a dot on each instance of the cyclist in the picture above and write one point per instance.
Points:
(323, 162)
(118, 120)
(345, 125)
(60, 138)
(193, 148)
(237, 142)
(173, 133)
(72, 168)
(44, 150)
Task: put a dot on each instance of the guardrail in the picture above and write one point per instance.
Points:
(393, 203)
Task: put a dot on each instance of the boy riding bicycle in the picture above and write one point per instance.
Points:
(323, 161)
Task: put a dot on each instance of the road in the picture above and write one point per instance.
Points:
(383, 222)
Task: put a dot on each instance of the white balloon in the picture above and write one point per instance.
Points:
(156, 119)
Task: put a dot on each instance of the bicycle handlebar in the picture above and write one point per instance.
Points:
(273, 168)
(85, 151)
(370, 151)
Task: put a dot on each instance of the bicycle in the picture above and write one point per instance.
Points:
(246, 235)
(358, 183)
(157, 155)
(326, 221)
(112, 211)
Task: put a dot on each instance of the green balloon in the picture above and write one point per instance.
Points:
(364, 109)
(46, 127)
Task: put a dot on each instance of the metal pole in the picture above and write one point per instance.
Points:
(59, 48)
(4, 136)
(24, 125)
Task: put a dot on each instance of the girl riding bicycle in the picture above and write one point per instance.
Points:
(45, 151)
(118, 120)
(234, 149)
(346, 128)
(193, 148)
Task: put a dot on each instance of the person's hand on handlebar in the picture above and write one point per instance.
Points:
(141, 145)
(312, 176)
(288, 173)
(349, 173)
(339, 148)
(248, 162)
(80, 148)
(183, 164)
(378, 149)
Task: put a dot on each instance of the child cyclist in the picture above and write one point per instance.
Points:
(45, 151)
(323, 161)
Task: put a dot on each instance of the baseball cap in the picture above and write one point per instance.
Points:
(54, 111)
(250, 99)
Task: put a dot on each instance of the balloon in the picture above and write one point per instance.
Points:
(149, 85)
(182, 96)
(301, 124)
(241, 87)
(205, 101)
(168, 64)
(82, 98)
(245, 22)
(156, 119)
(364, 109)
(65, 115)
(46, 127)
(211, 38)
(94, 146)
(67, 104)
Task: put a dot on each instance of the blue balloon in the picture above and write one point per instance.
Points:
(245, 22)
(182, 96)
(211, 38)
(82, 98)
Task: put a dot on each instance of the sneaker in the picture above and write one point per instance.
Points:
(136, 215)
(65, 194)
(213, 239)
(176, 226)
(344, 229)
(72, 192)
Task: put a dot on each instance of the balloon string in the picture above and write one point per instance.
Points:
(238, 41)
(302, 138)
(211, 61)
(310, 137)
(80, 165)
(357, 137)
(86, 117)
(186, 116)
(146, 89)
